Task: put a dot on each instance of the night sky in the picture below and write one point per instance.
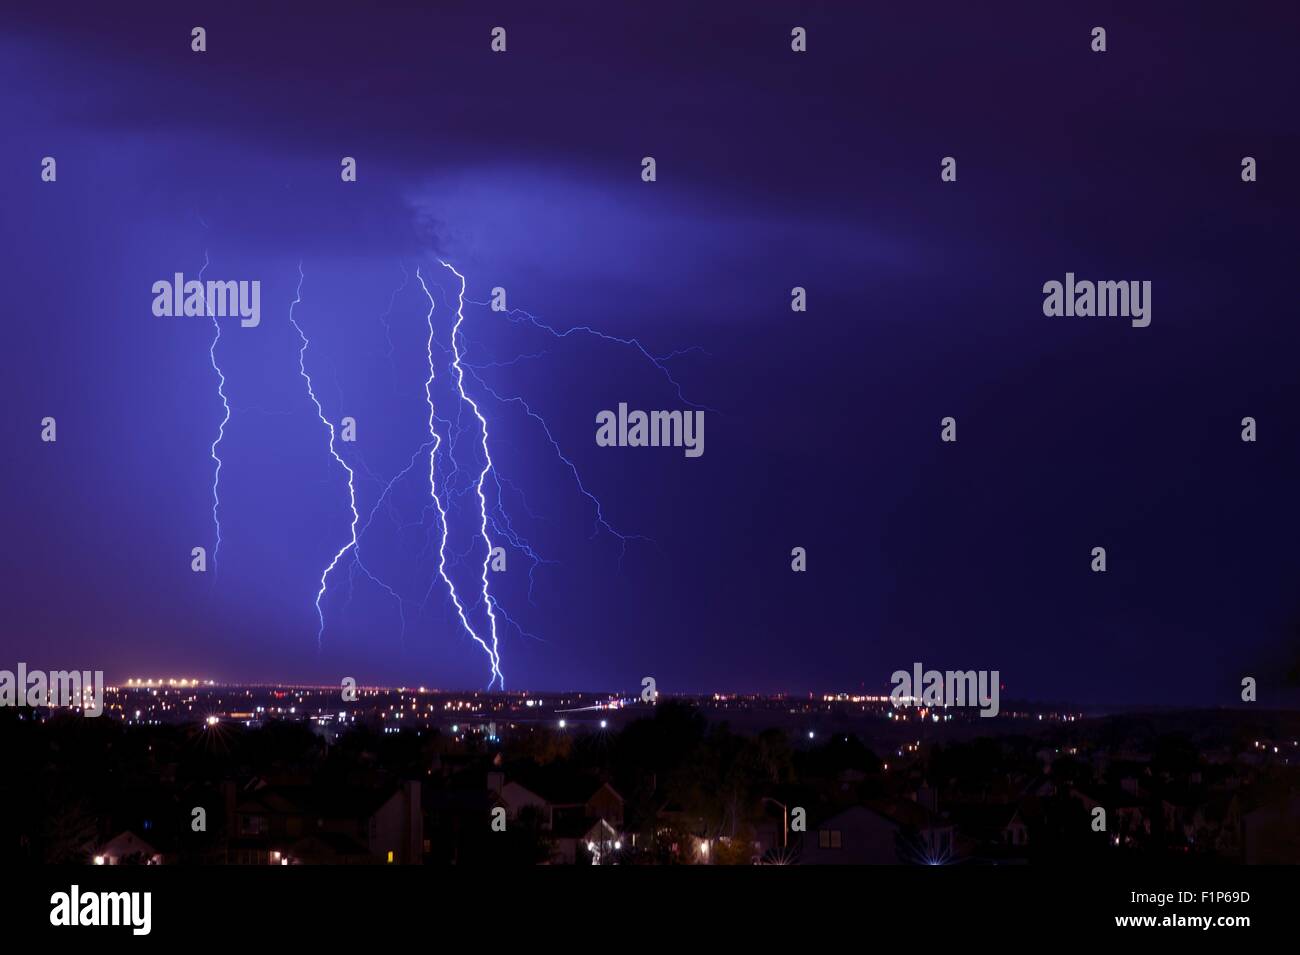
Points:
(775, 169)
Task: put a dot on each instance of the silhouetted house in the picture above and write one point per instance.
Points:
(575, 810)
(900, 832)
(126, 848)
(856, 836)
(577, 799)
(576, 838)
(325, 824)
(514, 797)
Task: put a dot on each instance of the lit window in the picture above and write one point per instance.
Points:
(829, 838)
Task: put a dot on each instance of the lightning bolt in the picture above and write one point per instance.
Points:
(492, 651)
(518, 316)
(488, 602)
(505, 529)
(221, 428)
(601, 522)
(352, 490)
(444, 494)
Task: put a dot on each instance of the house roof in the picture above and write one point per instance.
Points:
(907, 813)
(844, 817)
(322, 801)
(583, 828)
(559, 785)
(126, 840)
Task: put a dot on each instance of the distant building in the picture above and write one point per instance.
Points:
(578, 839)
(514, 797)
(291, 825)
(126, 848)
(577, 812)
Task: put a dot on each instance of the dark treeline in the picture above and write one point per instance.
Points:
(71, 783)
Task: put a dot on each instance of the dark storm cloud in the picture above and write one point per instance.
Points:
(775, 171)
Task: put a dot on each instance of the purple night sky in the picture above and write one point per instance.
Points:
(775, 169)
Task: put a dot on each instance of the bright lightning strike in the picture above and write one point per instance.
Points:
(442, 499)
(504, 528)
(352, 491)
(221, 428)
(488, 603)
(492, 651)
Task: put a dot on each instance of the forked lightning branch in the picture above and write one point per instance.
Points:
(478, 612)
